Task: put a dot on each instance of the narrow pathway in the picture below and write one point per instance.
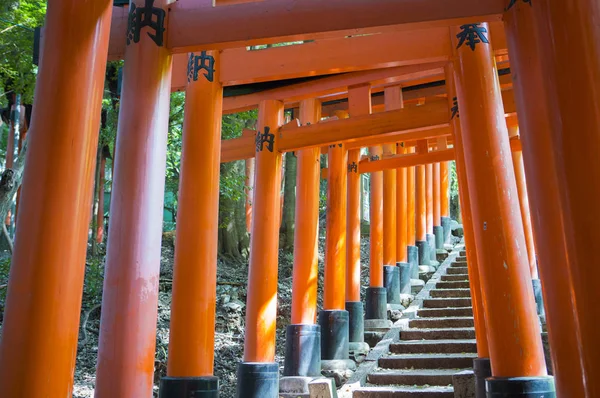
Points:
(440, 342)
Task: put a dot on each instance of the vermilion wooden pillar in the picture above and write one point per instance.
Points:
(192, 327)
(41, 319)
(438, 230)
(130, 299)
(517, 157)
(412, 252)
(359, 103)
(303, 336)
(393, 98)
(445, 197)
(421, 208)
(512, 323)
(482, 364)
(429, 205)
(544, 196)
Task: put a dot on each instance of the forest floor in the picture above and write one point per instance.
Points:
(231, 298)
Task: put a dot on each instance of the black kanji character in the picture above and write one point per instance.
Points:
(454, 108)
(513, 2)
(353, 167)
(266, 137)
(140, 17)
(198, 62)
(472, 34)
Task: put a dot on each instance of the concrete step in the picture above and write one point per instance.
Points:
(438, 334)
(454, 346)
(454, 278)
(427, 361)
(404, 392)
(441, 323)
(442, 312)
(452, 285)
(461, 293)
(446, 302)
(461, 258)
(457, 271)
(455, 264)
(432, 377)
(462, 253)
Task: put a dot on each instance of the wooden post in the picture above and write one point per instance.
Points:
(192, 327)
(41, 319)
(512, 323)
(130, 299)
(393, 98)
(303, 336)
(421, 208)
(547, 113)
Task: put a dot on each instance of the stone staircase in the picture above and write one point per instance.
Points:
(439, 342)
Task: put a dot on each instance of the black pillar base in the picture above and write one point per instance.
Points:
(431, 242)
(482, 368)
(447, 230)
(424, 256)
(197, 387)
(334, 334)
(257, 380)
(539, 298)
(376, 300)
(438, 232)
(529, 387)
(404, 270)
(302, 351)
(413, 260)
(391, 281)
(356, 321)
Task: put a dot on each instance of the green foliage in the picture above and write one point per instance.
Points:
(94, 279)
(453, 181)
(17, 22)
(4, 272)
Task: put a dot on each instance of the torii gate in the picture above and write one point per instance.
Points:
(555, 61)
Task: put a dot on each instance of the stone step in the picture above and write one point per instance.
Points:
(462, 253)
(445, 312)
(457, 271)
(454, 278)
(454, 346)
(450, 293)
(461, 258)
(455, 264)
(427, 361)
(404, 392)
(452, 285)
(438, 334)
(446, 302)
(441, 323)
(432, 377)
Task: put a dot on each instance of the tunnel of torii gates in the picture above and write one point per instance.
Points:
(548, 55)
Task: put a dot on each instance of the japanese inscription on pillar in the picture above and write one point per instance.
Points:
(196, 63)
(266, 137)
(353, 168)
(471, 35)
(454, 109)
(147, 16)
(513, 2)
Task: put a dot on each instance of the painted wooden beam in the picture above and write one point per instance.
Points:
(399, 161)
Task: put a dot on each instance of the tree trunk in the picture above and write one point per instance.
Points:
(289, 203)
(95, 207)
(229, 239)
(10, 181)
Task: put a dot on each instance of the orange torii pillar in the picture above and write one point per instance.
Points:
(334, 319)
(130, 299)
(544, 196)
(303, 335)
(376, 294)
(258, 374)
(421, 210)
(430, 237)
(393, 245)
(481, 365)
(444, 193)
(359, 103)
(412, 251)
(43, 302)
(513, 329)
(192, 327)
(438, 230)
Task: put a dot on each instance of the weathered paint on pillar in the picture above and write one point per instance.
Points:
(130, 299)
(393, 101)
(306, 231)
(477, 297)
(192, 327)
(43, 302)
(334, 291)
(544, 196)
(517, 157)
(248, 188)
(511, 318)
(261, 305)
(421, 196)
(429, 196)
